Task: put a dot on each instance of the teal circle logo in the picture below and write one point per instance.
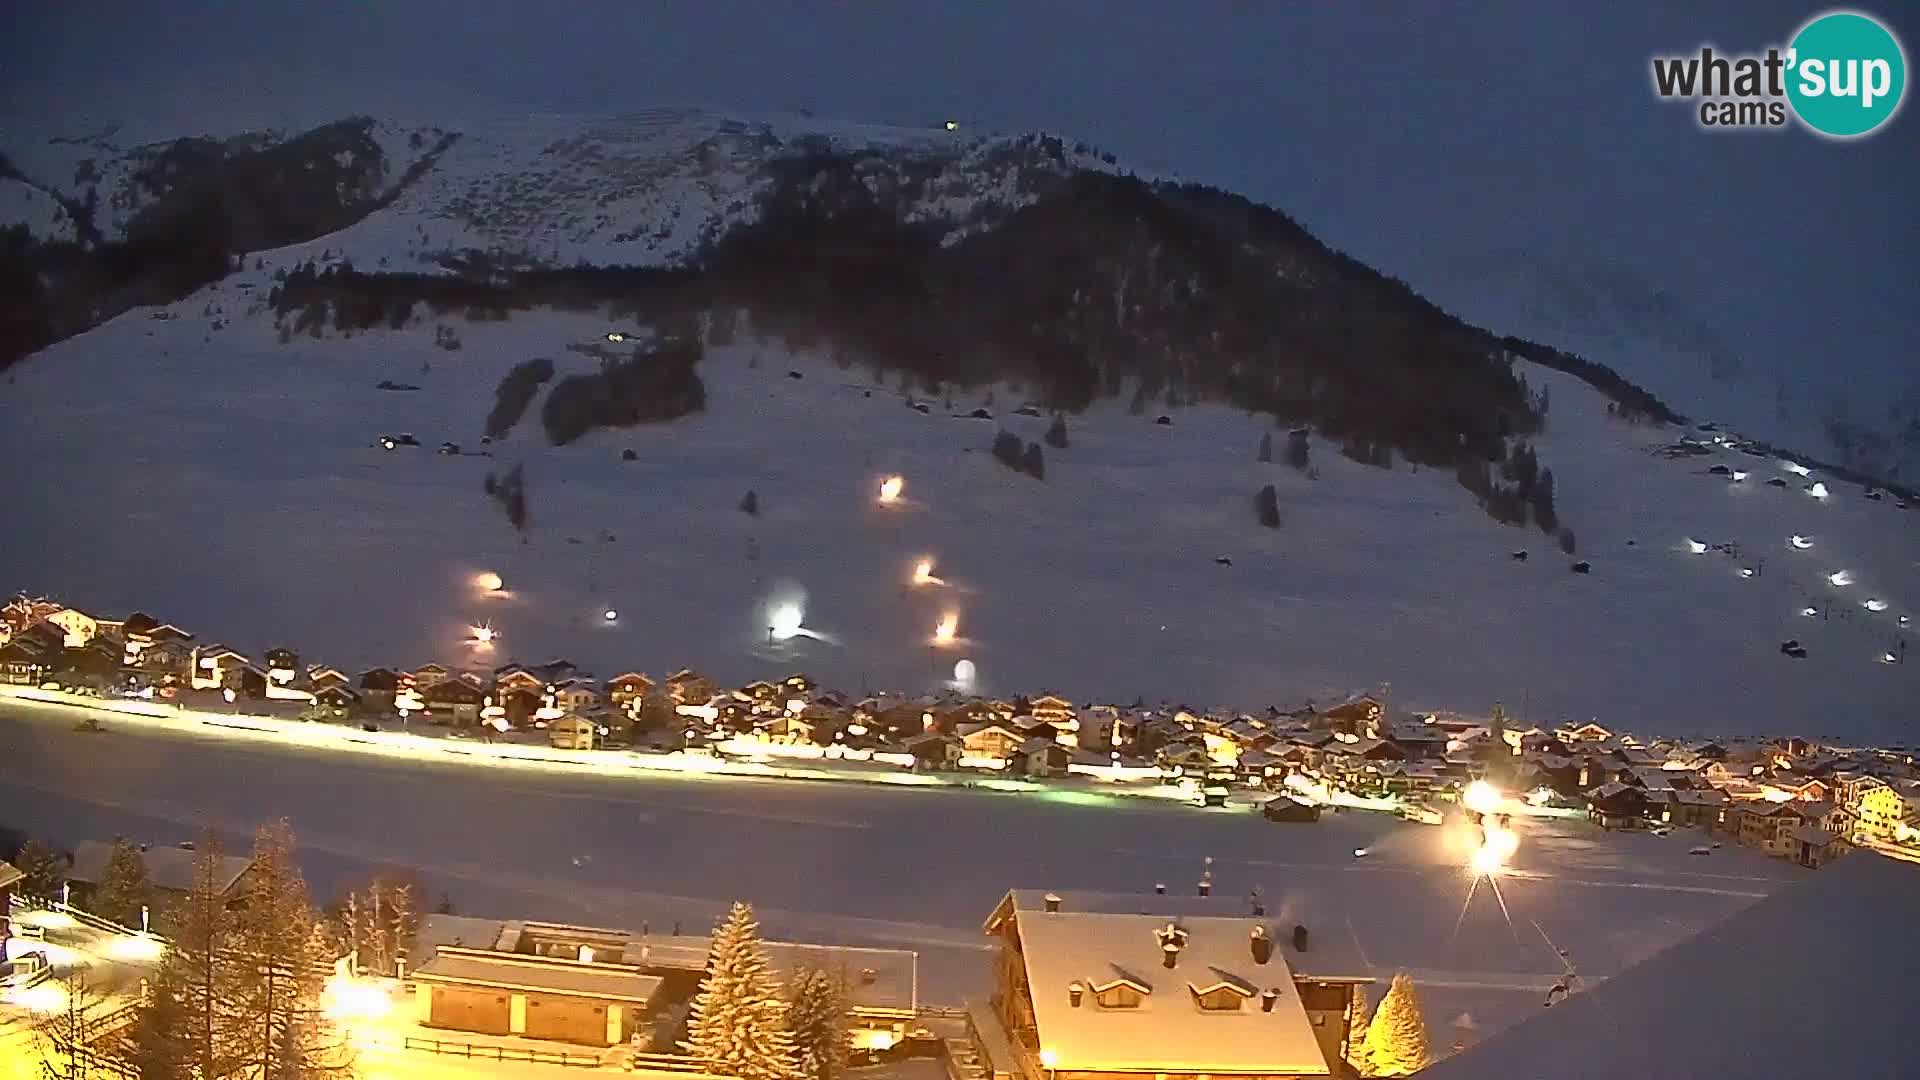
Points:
(1846, 74)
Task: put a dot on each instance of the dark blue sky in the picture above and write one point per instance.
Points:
(1427, 139)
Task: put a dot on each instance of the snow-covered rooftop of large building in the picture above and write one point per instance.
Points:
(1814, 981)
(1168, 1030)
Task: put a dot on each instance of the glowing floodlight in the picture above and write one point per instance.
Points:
(965, 672)
(1799, 542)
(1840, 579)
(1696, 546)
(890, 490)
(489, 582)
(948, 626)
(616, 338)
(1875, 604)
(1481, 797)
(1496, 849)
(784, 621)
(483, 635)
(1746, 571)
(610, 615)
(923, 572)
(1818, 490)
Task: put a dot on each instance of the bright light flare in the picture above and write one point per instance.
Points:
(891, 489)
(1497, 846)
(346, 998)
(1840, 579)
(49, 919)
(44, 998)
(138, 948)
(785, 621)
(965, 672)
(948, 626)
(610, 615)
(1696, 546)
(1481, 797)
(482, 636)
(489, 582)
(923, 573)
(1799, 543)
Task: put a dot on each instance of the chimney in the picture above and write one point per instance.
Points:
(1261, 944)
(1299, 939)
(1267, 998)
(1052, 901)
(1160, 888)
(1259, 905)
(1172, 940)
(1075, 991)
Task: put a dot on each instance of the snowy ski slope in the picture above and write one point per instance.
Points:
(230, 484)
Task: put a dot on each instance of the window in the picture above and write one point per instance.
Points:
(1220, 999)
(1119, 996)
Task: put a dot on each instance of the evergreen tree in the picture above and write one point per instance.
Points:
(1298, 452)
(738, 1023)
(1266, 505)
(123, 887)
(1057, 432)
(188, 1024)
(1034, 465)
(1357, 1031)
(41, 869)
(280, 1030)
(1397, 1039)
(1266, 448)
(817, 1016)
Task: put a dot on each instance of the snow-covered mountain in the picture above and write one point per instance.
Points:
(840, 300)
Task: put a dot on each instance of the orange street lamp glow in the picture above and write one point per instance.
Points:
(890, 490)
(489, 582)
(949, 625)
(484, 635)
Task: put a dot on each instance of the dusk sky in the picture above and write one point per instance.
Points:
(1464, 148)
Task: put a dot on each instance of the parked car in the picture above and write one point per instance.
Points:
(23, 971)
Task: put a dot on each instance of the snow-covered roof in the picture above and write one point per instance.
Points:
(1333, 952)
(170, 868)
(480, 967)
(1167, 1031)
(1814, 980)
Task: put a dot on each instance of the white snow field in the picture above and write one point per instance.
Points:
(231, 484)
(882, 866)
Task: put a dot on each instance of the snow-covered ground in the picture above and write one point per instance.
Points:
(230, 484)
(875, 866)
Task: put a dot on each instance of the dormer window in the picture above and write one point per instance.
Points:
(1221, 996)
(1120, 994)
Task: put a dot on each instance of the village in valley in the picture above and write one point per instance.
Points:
(1788, 797)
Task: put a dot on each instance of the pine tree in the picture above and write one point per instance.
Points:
(1057, 432)
(738, 1023)
(41, 870)
(1299, 452)
(123, 885)
(187, 1024)
(1357, 1031)
(1397, 1039)
(281, 954)
(1034, 465)
(817, 1017)
(1266, 506)
(1265, 455)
